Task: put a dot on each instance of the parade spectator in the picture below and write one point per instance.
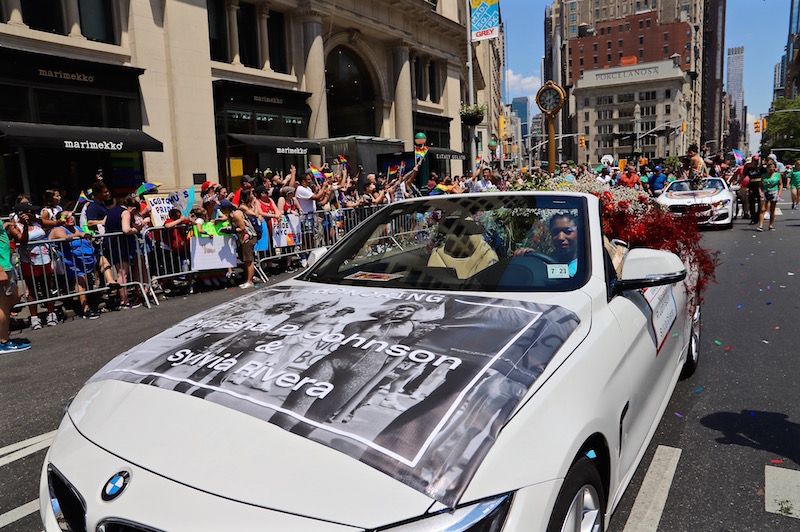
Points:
(96, 210)
(630, 179)
(76, 251)
(9, 296)
(51, 209)
(794, 182)
(754, 172)
(123, 249)
(658, 182)
(35, 262)
(246, 237)
(772, 186)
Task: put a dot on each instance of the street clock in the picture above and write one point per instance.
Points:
(550, 98)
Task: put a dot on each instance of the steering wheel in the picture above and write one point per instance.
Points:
(547, 259)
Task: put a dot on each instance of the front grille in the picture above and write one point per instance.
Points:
(67, 504)
(121, 525)
(678, 209)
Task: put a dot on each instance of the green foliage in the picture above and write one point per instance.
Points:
(673, 162)
(783, 130)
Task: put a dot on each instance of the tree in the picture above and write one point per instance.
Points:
(783, 130)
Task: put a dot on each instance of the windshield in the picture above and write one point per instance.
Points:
(706, 184)
(484, 242)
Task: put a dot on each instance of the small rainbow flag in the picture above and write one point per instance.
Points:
(478, 162)
(83, 197)
(343, 160)
(316, 173)
(420, 152)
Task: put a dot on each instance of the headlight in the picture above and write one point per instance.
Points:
(722, 204)
(484, 516)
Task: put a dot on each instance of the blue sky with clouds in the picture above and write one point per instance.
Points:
(761, 26)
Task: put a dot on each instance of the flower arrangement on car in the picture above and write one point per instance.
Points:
(635, 218)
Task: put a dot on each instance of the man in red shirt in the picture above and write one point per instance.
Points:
(630, 179)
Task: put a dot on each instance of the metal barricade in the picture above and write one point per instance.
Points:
(166, 253)
(75, 267)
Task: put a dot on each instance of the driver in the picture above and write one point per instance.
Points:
(564, 233)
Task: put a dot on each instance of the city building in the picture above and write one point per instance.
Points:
(489, 59)
(792, 79)
(609, 103)
(183, 92)
(779, 79)
(583, 35)
(713, 82)
(735, 90)
(521, 107)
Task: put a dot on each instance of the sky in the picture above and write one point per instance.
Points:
(761, 26)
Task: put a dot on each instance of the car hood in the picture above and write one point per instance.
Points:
(223, 445)
(691, 196)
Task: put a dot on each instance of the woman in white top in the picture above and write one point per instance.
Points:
(51, 209)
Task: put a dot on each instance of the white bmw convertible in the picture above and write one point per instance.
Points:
(713, 203)
(474, 362)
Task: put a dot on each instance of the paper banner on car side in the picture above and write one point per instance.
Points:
(401, 376)
(485, 19)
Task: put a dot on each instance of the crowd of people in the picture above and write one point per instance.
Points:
(71, 241)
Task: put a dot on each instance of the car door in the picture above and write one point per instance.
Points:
(654, 344)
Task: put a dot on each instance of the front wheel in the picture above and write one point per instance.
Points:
(580, 506)
(693, 358)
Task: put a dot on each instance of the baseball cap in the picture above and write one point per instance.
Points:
(205, 186)
(287, 190)
(773, 157)
(658, 168)
(748, 160)
(225, 204)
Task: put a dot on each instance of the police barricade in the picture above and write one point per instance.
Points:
(76, 268)
(296, 234)
(180, 253)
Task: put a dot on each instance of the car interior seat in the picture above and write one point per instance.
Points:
(464, 249)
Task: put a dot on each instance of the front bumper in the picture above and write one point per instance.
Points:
(705, 214)
(150, 502)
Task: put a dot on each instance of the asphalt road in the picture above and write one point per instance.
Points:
(732, 421)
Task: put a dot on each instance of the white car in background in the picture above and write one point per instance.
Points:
(714, 203)
(467, 362)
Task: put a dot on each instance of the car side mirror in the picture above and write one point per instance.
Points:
(315, 254)
(648, 267)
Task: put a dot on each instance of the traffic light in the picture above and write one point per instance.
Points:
(763, 125)
(502, 126)
(757, 126)
(583, 142)
(683, 127)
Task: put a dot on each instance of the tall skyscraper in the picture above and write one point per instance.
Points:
(735, 86)
(713, 63)
(779, 79)
(521, 107)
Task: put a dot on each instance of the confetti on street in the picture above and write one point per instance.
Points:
(718, 342)
(765, 341)
(698, 390)
(769, 302)
(777, 461)
(729, 348)
(679, 415)
(740, 305)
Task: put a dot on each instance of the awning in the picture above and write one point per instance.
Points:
(279, 145)
(445, 154)
(77, 138)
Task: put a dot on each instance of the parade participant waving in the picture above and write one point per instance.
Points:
(772, 186)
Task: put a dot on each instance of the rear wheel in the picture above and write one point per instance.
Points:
(693, 358)
(581, 504)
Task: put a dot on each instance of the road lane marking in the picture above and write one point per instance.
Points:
(646, 512)
(22, 453)
(25, 443)
(782, 491)
(18, 513)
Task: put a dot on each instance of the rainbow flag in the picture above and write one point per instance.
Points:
(343, 160)
(478, 162)
(739, 156)
(83, 197)
(316, 173)
(420, 152)
(393, 170)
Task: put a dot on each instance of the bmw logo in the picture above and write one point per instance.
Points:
(115, 486)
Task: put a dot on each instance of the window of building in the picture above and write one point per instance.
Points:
(581, 48)
(581, 61)
(641, 24)
(572, 29)
(586, 116)
(641, 39)
(605, 100)
(218, 30)
(596, 13)
(688, 59)
(595, 60)
(647, 23)
(586, 102)
(572, 6)
(602, 31)
(43, 15)
(15, 103)
(625, 97)
(573, 17)
(276, 32)
(246, 18)
(667, 109)
(620, 28)
(586, 130)
(641, 52)
(666, 36)
(594, 47)
(580, 73)
(620, 56)
(619, 43)
(627, 26)
(638, 6)
(608, 45)
(668, 94)
(570, 63)
(69, 108)
(97, 20)
(609, 58)
(646, 96)
(666, 50)
(433, 82)
(649, 110)
(688, 46)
